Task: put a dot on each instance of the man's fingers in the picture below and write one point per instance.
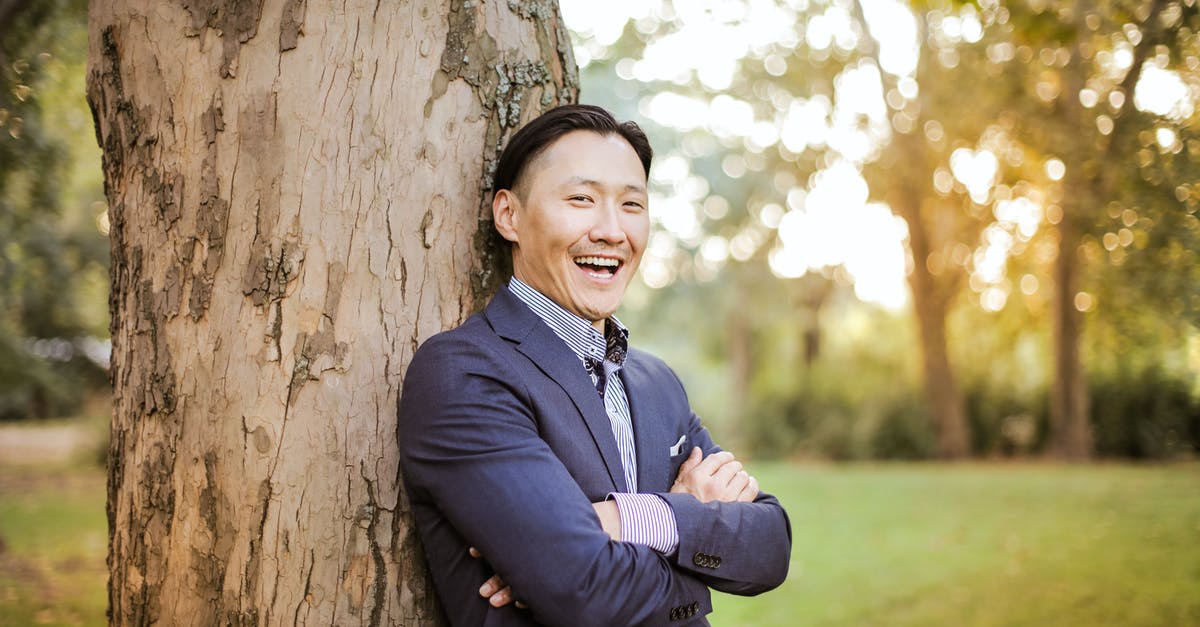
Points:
(750, 492)
(491, 586)
(495, 590)
(726, 473)
(691, 462)
(733, 490)
(712, 463)
(501, 598)
(474, 552)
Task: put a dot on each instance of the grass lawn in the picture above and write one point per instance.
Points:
(53, 539)
(873, 545)
(984, 545)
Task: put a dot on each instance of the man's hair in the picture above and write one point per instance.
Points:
(534, 138)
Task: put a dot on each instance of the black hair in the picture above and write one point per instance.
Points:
(535, 137)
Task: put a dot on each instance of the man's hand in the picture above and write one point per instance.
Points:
(719, 477)
(494, 589)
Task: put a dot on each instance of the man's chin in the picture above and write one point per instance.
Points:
(597, 312)
(601, 306)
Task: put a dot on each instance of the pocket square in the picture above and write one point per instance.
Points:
(678, 447)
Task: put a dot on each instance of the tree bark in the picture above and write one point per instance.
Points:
(297, 198)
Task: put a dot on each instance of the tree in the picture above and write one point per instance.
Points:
(1035, 172)
(785, 77)
(297, 200)
(1105, 166)
(911, 160)
(53, 260)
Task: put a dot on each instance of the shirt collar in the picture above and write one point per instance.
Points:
(580, 336)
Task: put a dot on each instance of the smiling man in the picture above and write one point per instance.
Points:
(558, 476)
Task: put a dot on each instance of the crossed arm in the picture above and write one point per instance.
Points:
(479, 472)
(719, 477)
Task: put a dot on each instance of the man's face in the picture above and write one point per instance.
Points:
(581, 223)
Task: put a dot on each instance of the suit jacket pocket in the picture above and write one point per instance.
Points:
(677, 461)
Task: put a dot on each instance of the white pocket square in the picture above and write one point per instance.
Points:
(678, 447)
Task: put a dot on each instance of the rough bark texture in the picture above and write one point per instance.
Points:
(297, 200)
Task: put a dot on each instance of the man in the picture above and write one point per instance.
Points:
(543, 457)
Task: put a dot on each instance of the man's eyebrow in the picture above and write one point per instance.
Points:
(579, 180)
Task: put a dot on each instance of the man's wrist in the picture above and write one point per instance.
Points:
(647, 519)
(610, 518)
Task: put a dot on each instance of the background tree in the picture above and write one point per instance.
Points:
(794, 127)
(53, 258)
(296, 195)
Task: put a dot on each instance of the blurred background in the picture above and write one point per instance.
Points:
(887, 233)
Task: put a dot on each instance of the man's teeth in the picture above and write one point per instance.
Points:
(598, 261)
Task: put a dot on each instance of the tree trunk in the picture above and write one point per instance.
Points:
(942, 396)
(814, 291)
(930, 299)
(1071, 432)
(739, 332)
(297, 196)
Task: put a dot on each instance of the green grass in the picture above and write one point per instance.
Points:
(52, 545)
(984, 545)
(873, 545)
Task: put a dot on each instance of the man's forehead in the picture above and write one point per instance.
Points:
(554, 154)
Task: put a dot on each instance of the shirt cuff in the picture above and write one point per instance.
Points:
(647, 519)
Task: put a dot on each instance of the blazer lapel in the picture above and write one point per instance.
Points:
(652, 432)
(514, 321)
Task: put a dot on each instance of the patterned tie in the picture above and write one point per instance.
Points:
(595, 368)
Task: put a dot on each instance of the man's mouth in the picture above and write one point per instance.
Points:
(599, 267)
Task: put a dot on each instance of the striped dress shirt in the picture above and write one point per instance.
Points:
(645, 518)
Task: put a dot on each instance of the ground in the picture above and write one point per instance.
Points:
(911, 544)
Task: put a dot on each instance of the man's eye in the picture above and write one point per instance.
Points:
(579, 199)
(635, 205)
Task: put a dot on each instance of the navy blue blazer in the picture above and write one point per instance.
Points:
(504, 445)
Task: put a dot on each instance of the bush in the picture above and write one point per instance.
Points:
(904, 431)
(1149, 414)
(1005, 422)
(36, 387)
(830, 417)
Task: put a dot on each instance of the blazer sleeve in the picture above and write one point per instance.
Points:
(469, 443)
(738, 548)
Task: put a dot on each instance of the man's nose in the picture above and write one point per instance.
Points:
(607, 224)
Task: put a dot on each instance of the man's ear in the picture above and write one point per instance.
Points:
(504, 214)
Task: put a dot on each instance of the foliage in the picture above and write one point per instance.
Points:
(53, 271)
(1003, 99)
(1146, 415)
